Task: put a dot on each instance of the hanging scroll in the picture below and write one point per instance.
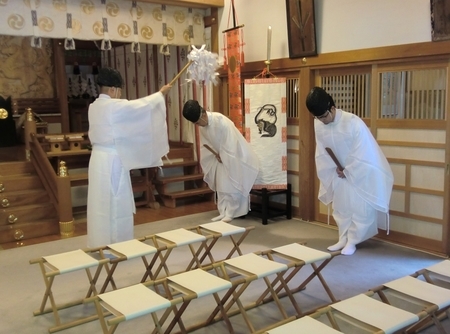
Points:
(234, 77)
(234, 59)
(266, 130)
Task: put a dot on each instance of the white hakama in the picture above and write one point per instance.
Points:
(367, 186)
(125, 135)
(234, 177)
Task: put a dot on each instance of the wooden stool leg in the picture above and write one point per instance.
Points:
(264, 205)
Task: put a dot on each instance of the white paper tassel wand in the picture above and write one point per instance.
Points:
(201, 67)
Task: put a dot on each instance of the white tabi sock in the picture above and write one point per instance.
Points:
(339, 245)
(349, 249)
(216, 219)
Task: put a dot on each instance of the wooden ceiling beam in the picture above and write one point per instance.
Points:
(189, 3)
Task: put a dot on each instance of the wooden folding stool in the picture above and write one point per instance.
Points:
(130, 303)
(364, 313)
(437, 273)
(241, 271)
(128, 250)
(64, 263)
(197, 283)
(432, 299)
(171, 240)
(297, 256)
(304, 325)
(218, 230)
(359, 314)
(138, 300)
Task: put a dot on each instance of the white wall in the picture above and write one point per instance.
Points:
(340, 25)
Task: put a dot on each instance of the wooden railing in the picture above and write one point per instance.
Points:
(57, 184)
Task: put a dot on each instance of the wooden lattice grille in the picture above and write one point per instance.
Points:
(350, 92)
(292, 98)
(414, 94)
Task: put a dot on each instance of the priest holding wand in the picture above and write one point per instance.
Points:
(354, 174)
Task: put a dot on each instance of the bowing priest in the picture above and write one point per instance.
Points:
(229, 165)
(358, 181)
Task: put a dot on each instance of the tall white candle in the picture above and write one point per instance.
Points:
(269, 38)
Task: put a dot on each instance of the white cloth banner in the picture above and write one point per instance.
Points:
(266, 131)
(115, 20)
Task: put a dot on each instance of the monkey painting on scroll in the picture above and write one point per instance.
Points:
(265, 129)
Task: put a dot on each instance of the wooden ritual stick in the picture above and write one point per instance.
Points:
(333, 156)
(181, 72)
(211, 150)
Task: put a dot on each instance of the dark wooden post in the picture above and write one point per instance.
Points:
(29, 128)
(66, 224)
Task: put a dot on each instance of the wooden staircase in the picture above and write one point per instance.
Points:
(25, 207)
(180, 177)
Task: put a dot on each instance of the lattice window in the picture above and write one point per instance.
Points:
(415, 94)
(292, 98)
(350, 92)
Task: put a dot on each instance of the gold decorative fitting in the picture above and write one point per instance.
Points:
(18, 234)
(12, 219)
(2, 188)
(30, 117)
(66, 229)
(5, 202)
(3, 113)
(63, 172)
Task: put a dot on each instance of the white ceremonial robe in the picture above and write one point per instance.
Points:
(367, 186)
(125, 135)
(234, 177)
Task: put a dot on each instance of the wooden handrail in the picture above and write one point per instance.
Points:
(44, 169)
(58, 186)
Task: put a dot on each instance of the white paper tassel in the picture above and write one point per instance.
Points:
(204, 66)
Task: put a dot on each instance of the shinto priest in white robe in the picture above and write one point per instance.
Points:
(125, 135)
(366, 189)
(234, 177)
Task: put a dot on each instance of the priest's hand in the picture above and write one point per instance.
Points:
(165, 89)
(340, 173)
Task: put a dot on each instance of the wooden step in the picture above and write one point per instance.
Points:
(178, 178)
(181, 152)
(20, 182)
(27, 213)
(16, 168)
(23, 197)
(178, 163)
(29, 230)
(79, 179)
(169, 199)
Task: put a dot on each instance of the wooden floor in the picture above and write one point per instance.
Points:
(143, 214)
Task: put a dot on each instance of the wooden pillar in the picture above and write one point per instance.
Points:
(66, 224)
(213, 22)
(307, 168)
(29, 128)
(61, 84)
